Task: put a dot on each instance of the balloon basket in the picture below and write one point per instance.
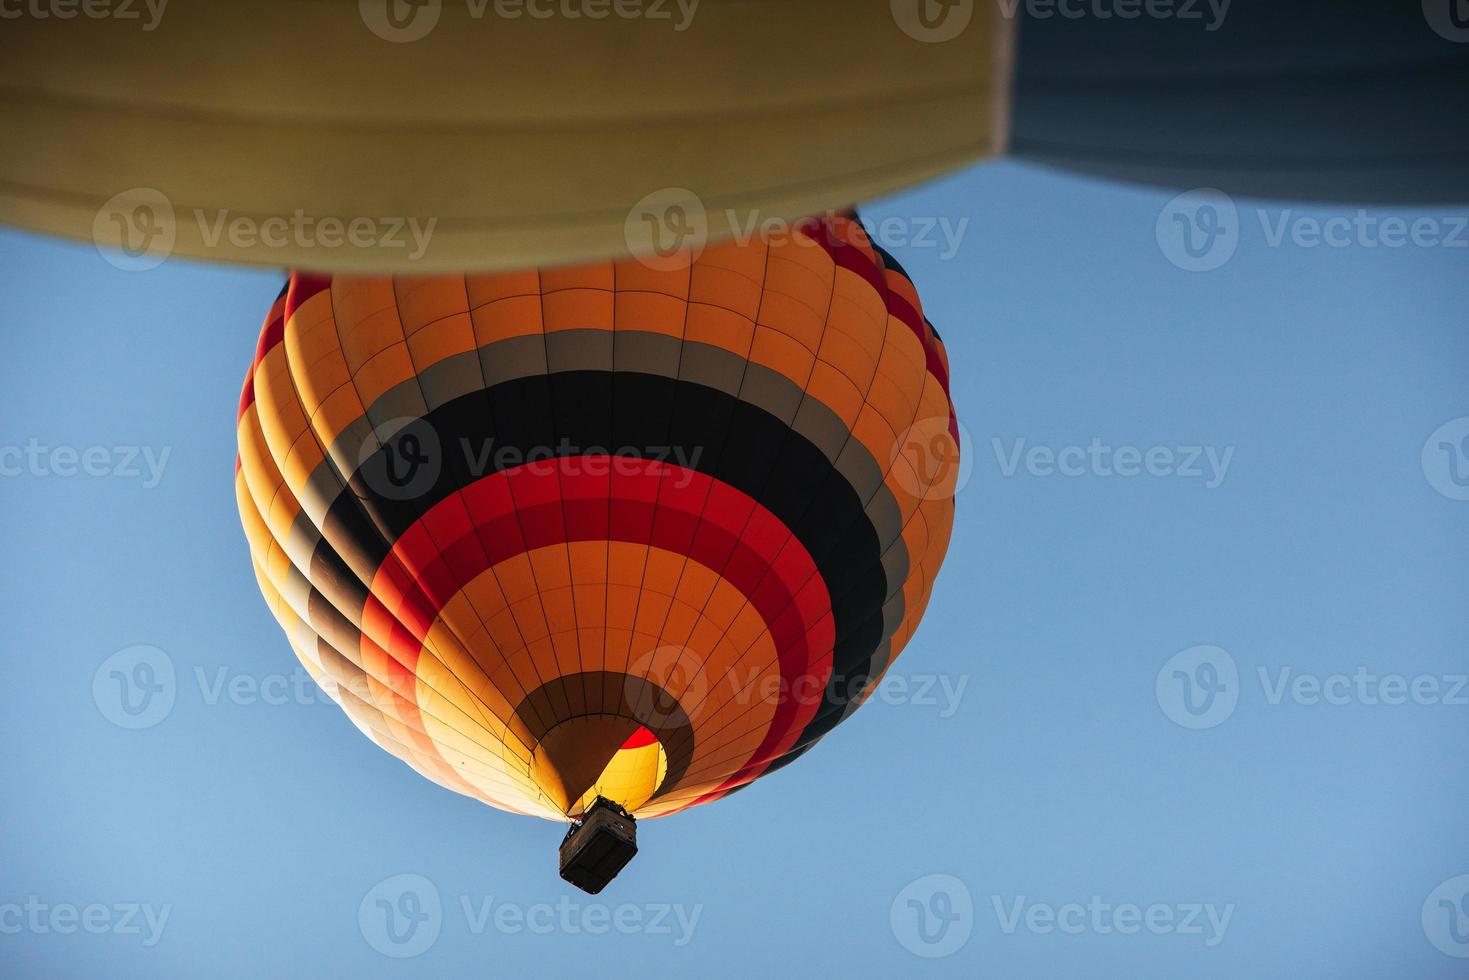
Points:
(598, 846)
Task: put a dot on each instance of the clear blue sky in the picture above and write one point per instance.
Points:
(1059, 776)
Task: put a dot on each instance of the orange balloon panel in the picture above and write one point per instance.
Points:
(609, 530)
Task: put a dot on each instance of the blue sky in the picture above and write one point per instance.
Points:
(1062, 755)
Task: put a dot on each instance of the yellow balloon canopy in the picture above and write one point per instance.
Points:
(437, 136)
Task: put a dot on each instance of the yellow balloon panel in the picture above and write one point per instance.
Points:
(449, 136)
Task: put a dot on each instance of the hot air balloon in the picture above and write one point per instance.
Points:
(1315, 100)
(528, 139)
(607, 542)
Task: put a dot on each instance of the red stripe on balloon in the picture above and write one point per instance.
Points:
(642, 738)
(646, 502)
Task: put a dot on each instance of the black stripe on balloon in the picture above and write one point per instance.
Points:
(623, 695)
(710, 431)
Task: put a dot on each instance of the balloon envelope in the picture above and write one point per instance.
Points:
(1313, 100)
(639, 532)
(261, 132)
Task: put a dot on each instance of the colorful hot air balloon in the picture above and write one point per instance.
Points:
(616, 531)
